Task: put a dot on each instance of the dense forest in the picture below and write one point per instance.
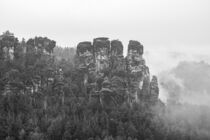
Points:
(40, 99)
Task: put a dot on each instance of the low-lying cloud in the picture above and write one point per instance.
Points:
(183, 75)
(184, 78)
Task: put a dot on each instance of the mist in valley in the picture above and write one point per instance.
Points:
(184, 78)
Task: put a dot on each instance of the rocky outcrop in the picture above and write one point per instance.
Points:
(86, 65)
(8, 44)
(101, 53)
(117, 60)
(118, 72)
(86, 56)
(136, 69)
(41, 45)
(154, 90)
(112, 78)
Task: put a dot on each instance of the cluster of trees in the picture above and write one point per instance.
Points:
(57, 110)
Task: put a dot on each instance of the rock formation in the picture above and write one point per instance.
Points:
(41, 45)
(101, 52)
(118, 72)
(113, 78)
(154, 90)
(86, 64)
(8, 43)
(117, 61)
(138, 72)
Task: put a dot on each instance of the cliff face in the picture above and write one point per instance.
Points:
(8, 44)
(113, 78)
(101, 53)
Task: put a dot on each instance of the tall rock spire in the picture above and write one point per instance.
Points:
(128, 77)
(86, 65)
(138, 74)
(102, 50)
(154, 90)
(86, 55)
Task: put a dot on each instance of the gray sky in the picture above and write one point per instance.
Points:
(155, 23)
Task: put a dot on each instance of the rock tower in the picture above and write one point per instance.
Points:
(113, 79)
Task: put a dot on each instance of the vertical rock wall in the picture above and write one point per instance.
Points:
(116, 78)
(8, 43)
(117, 60)
(86, 64)
(118, 72)
(102, 52)
(138, 72)
(154, 90)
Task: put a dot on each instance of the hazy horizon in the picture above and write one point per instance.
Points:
(178, 23)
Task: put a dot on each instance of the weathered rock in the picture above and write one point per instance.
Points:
(41, 45)
(102, 51)
(154, 90)
(107, 95)
(86, 65)
(134, 56)
(136, 69)
(116, 48)
(117, 61)
(119, 87)
(118, 72)
(84, 48)
(116, 79)
(8, 43)
(86, 56)
(144, 95)
(135, 47)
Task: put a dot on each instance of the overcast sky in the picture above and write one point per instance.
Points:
(155, 23)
